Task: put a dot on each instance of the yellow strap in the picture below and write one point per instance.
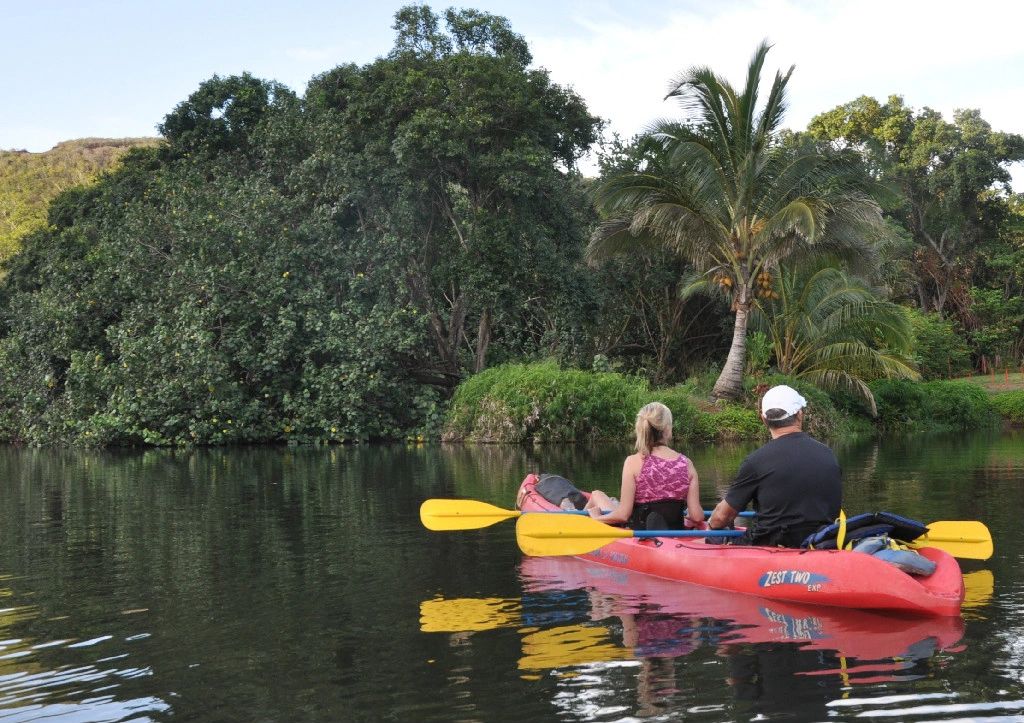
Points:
(841, 537)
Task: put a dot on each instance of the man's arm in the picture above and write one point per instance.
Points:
(722, 516)
(741, 491)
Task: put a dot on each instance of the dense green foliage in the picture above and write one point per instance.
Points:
(308, 269)
(953, 201)
(832, 331)
(543, 403)
(930, 406)
(334, 266)
(1010, 405)
(939, 351)
(29, 181)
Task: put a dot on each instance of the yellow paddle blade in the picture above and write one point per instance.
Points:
(967, 539)
(542, 534)
(461, 514)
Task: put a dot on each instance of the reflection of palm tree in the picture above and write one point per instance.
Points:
(831, 330)
(724, 193)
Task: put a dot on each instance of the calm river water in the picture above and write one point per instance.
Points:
(298, 585)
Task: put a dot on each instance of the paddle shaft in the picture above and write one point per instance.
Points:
(687, 533)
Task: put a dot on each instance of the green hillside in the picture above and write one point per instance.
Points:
(28, 181)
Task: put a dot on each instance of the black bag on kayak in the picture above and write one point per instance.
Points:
(859, 527)
(554, 489)
(865, 525)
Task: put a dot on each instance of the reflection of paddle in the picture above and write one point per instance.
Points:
(967, 539)
(569, 645)
(558, 647)
(441, 515)
(544, 535)
(462, 615)
(978, 588)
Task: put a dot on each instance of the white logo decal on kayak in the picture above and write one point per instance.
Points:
(792, 577)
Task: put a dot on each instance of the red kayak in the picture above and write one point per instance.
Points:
(839, 578)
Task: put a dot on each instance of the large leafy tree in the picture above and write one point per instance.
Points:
(288, 268)
(833, 331)
(952, 181)
(724, 193)
(470, 152)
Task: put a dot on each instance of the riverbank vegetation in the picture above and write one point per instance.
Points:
(408, 249)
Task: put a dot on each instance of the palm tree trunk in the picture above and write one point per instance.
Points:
(730, 381)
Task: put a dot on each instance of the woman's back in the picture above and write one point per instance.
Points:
(663, 477)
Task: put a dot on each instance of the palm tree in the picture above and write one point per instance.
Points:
(831, 330)
(725, 193)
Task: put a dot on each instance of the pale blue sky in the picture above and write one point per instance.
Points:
(112, 68)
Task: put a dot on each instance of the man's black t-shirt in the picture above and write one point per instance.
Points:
(795, 485)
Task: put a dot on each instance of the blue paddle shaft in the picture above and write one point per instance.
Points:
(687, 533)
(745, 513)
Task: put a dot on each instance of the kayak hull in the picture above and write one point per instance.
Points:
(839, 578)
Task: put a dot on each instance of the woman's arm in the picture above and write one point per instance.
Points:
(630, 469)
(694, 511)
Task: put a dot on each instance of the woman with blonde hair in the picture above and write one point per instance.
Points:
(658, 483)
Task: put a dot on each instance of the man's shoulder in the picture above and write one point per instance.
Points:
(805, 438)
(785, 445)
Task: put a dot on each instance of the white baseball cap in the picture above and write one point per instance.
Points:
(785, 398)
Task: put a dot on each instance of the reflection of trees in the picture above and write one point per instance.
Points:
(250, 565)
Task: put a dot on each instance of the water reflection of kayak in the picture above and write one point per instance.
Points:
(743, 618)
(821, 577)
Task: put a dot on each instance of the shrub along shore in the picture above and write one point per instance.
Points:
(541, 402)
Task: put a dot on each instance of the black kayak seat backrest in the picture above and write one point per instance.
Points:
(555, 488)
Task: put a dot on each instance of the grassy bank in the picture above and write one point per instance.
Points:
(543, 403)
(1010, 406)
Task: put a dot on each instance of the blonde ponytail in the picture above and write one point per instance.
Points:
(653, 427)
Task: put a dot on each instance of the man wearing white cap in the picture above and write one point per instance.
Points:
(793, 482)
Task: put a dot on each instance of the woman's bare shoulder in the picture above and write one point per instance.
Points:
(634, 460)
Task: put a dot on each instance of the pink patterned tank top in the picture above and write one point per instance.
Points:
(663, 479)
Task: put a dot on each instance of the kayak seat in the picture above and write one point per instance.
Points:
(555, 488)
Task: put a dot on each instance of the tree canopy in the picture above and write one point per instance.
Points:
(324, 267)
(330, 265)
(950, 177)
